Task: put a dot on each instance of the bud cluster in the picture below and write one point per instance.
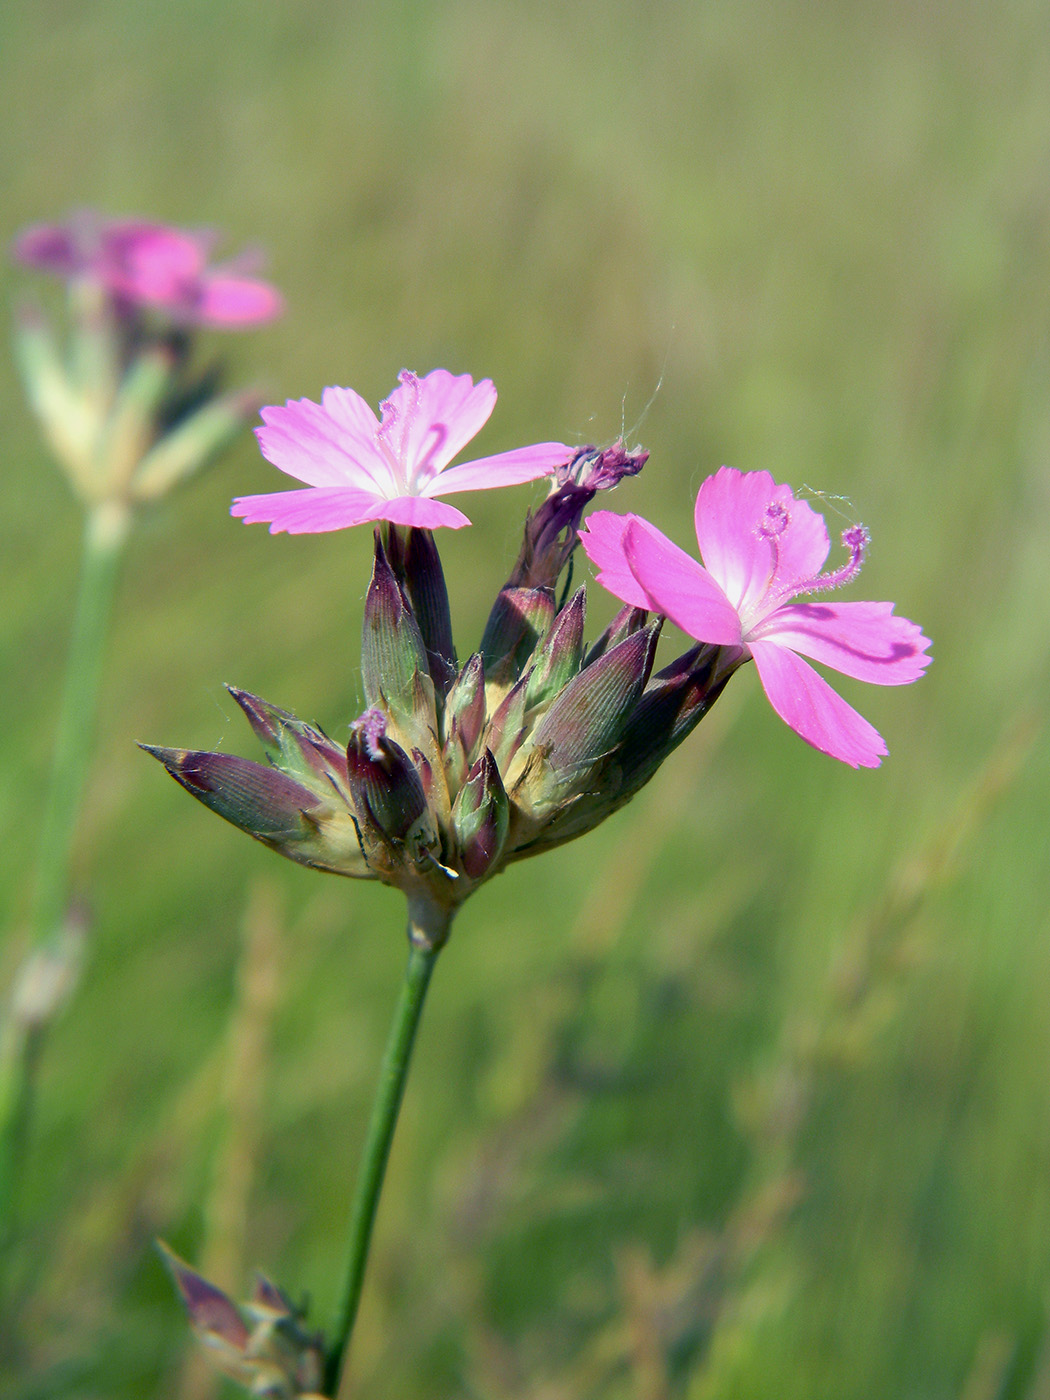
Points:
(261, 1344)
(453, 770)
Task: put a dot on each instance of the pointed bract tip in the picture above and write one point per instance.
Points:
(209, 1309)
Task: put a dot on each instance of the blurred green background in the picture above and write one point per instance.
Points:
(747, 1094)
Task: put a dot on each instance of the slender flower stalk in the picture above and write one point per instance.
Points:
(127, 418)
(428, 930)
(105, 534)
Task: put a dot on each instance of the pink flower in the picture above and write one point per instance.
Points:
(358, 468)
(762, 548)
(151, 265)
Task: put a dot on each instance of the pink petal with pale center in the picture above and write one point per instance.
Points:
(808, 704)
(733, 532)
(309, 512)
(679, 587)
(863, 640)
(504, 469)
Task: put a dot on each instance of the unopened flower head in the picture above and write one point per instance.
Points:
(152, 265)
(453, 771)
(762, 548)
(551, 534)
(359, 467)
(262, 1344)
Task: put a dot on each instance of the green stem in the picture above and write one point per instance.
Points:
(428, 929)
(104, 536)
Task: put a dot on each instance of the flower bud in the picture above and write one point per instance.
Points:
(519, 618)
(192, 443)
(274, 1356)
(415, 562)
(551, 534)
(269, 805)
(69, 424)
(464, 719)
(506, 728)
(670, 710)
(627, 621)
(557, 657)
(587, 719)
(296, 748)
(394, 664)
(385, 786)
(132, 423)
(480, 818)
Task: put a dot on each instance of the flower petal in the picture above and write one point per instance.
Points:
(237, 301)
(351, 412)
(428, 421)
(309, 512)
(425, 514)
(307, 443)
(863, 640)
(154, 260)
(504, 469)
(602, 541)
(808, 704)
(51, 248)
(678, 586)
(732, 530)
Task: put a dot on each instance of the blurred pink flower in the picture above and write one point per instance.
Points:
(146, 264)
(359, 468)
(762, 548)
